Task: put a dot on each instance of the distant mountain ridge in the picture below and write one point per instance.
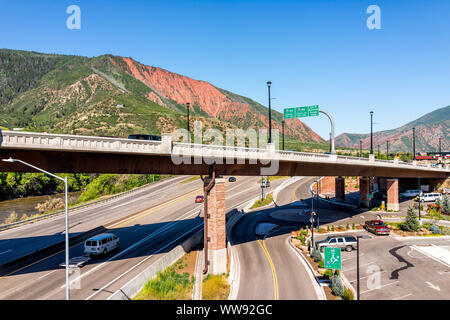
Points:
(429, 128)
(116, 96)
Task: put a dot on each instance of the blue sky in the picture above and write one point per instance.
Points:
(314, 52)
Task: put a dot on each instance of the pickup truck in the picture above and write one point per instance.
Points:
(344, 242)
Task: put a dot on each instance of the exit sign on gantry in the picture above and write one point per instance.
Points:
(301, 112)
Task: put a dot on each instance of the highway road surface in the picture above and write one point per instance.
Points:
(148, 225)
(269, 268)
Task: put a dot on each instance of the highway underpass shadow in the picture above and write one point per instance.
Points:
(135, 241)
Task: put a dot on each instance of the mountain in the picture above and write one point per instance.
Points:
(116, 96)
(429, 129)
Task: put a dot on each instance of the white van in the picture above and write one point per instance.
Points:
(429, 197)
(101, 244)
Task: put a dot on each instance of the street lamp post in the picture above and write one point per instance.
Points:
(357, 267)
(360, 148)
(414, 143)
(282, 125)
(371, 132)
(67, 217)
(188, 106)
(387, 149)
(270, 113)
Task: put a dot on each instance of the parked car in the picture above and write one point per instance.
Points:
(377, 227)
(101, 244)
(344, 242)
(410, 193)
(428, 197)
(232, 179)
(380, 195)
(199, 199)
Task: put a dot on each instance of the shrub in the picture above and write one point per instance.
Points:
(328, 273)
(347, 227)
(348, 294)
(411, 222)
(435, 229)
(315, 254)
(332, 228)
(50, 205)
(321, 264)
(445, 204)
(336, 285)
(353, 226)
(13, 217)
(328, 228)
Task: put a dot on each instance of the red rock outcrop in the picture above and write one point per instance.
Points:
(208, 98)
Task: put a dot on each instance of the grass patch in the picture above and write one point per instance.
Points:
(261, 203)
(215, 288)
(174, 283)
(273, 178)
(191, 179)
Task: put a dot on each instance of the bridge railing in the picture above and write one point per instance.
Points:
(61, 141)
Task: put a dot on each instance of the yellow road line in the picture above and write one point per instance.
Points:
(294, 198)
(272, 266)
(171, 202)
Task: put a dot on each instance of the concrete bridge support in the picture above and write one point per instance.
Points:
(340, 189)
(217, 250)
(364, 189)
(392, 195)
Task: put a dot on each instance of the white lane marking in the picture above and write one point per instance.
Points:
(6, 251)
(135, 266)
(360, 265)
(406, 295)
(47, 274)
(385, 285)
(360, 278)
(160, 230)
(432, 286)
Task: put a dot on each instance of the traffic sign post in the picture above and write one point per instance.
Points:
(332, 258)
(310, 111)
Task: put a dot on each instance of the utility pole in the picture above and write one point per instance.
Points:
(440, 149)
(379, 152)
(269, 84)
(414, 144)
(282, 125)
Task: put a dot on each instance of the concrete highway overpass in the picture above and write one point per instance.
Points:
(60, 153)
(85, 154)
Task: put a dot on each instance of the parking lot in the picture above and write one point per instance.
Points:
(392, 269)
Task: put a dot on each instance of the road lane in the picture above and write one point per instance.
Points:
(33, 283)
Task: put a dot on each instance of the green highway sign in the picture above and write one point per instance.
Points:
(301, 112)
(332, 258)
(289, 113)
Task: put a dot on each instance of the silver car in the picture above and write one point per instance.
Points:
(344, 242)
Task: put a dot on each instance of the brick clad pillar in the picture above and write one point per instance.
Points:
(364, 189)
(392, 195)
(217, 249)
(327, 185)
(340, 189)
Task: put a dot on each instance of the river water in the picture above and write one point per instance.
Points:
(27, 205)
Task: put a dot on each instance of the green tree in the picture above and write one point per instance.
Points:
(445, 204)
(411, 222)
(336, 285)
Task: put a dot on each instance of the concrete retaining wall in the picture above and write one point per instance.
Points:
(134, 286)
